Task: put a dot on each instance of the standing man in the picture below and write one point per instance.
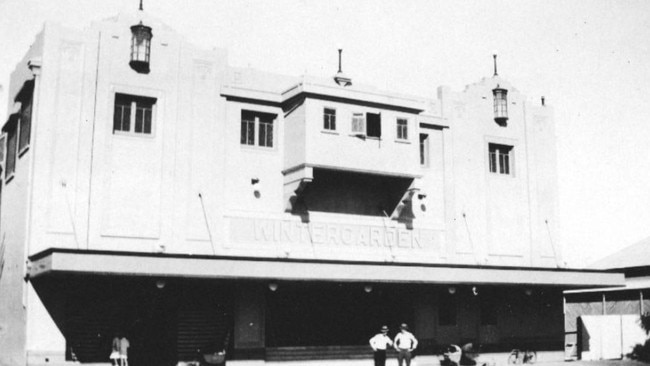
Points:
(379, 343)
(405, 343)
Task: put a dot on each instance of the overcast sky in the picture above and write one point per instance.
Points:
(590, 59)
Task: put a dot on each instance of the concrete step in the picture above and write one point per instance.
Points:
(320, 353)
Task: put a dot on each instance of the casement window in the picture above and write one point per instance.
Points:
(358, 123)
(26, 100)
(11, 129)
(402, 129)
(367, 125)
(133, 114)
(329, 119)
(257, 128)
(373, 127)
(500, 157)
(424, 150)
(3, 152)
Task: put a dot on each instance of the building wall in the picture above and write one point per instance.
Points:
(14, 245)
(191, 187)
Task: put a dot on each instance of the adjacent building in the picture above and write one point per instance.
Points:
(603, 323)
(151, 189)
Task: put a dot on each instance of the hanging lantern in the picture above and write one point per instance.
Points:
(140, 48)
(500, 105)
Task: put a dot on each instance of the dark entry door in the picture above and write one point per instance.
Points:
(153, 331)
(330, 314)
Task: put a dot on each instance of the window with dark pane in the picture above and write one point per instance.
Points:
(247, 128)
(266, 131)
(26, 97)
(500, 158)
(143, 115)
(424, 150)
(329, 119)
(373, 125)
(257, 128)
(133, 114)
(11, 129)
(402, 129)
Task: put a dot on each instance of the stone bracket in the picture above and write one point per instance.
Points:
(295, 182)
(411, 204)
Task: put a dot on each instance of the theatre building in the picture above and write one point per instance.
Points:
(151, 189)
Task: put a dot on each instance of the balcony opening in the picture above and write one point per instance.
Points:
(354, 193)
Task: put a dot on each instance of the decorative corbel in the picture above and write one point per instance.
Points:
(295, 182)
(412, 204)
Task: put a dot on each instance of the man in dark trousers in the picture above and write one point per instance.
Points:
(379, 343)
(405, 343)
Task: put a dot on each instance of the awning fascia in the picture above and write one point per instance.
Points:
(67, 261)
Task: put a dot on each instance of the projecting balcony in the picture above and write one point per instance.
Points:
(349, 144)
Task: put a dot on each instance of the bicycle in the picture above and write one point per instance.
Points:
(518, 357)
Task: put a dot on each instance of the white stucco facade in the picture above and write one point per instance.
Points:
(318, 197)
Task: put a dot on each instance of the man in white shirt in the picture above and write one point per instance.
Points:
(379, 343)
(405, 343)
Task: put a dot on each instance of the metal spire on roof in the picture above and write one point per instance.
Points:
(340, 51)
(141, 5)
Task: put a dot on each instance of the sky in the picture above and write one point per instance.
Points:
(590, 59)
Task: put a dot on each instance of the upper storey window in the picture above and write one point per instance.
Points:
(500, 159)
(402, 129)
(374, 125)
(368, 125)
(133, 114)
(424, 150)
(11, 130)
(26, 98)
(257, 128)
(358, 123)
(500, 105)
(329, 119)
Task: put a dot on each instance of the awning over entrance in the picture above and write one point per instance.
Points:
(69, 261)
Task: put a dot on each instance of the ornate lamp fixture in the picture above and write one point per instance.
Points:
(341, 78)
(500, 100)
(500, 105)
(140, 47)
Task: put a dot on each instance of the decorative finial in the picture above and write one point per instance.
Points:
(141, 5)
(495, 63)
(340, 52)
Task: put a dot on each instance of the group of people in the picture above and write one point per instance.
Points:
(120, 350)
(404, 343)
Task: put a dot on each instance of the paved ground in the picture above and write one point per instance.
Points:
(545, 359)
(422, 361)
(596, 363)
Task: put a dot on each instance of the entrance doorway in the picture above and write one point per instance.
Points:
(329, 314)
